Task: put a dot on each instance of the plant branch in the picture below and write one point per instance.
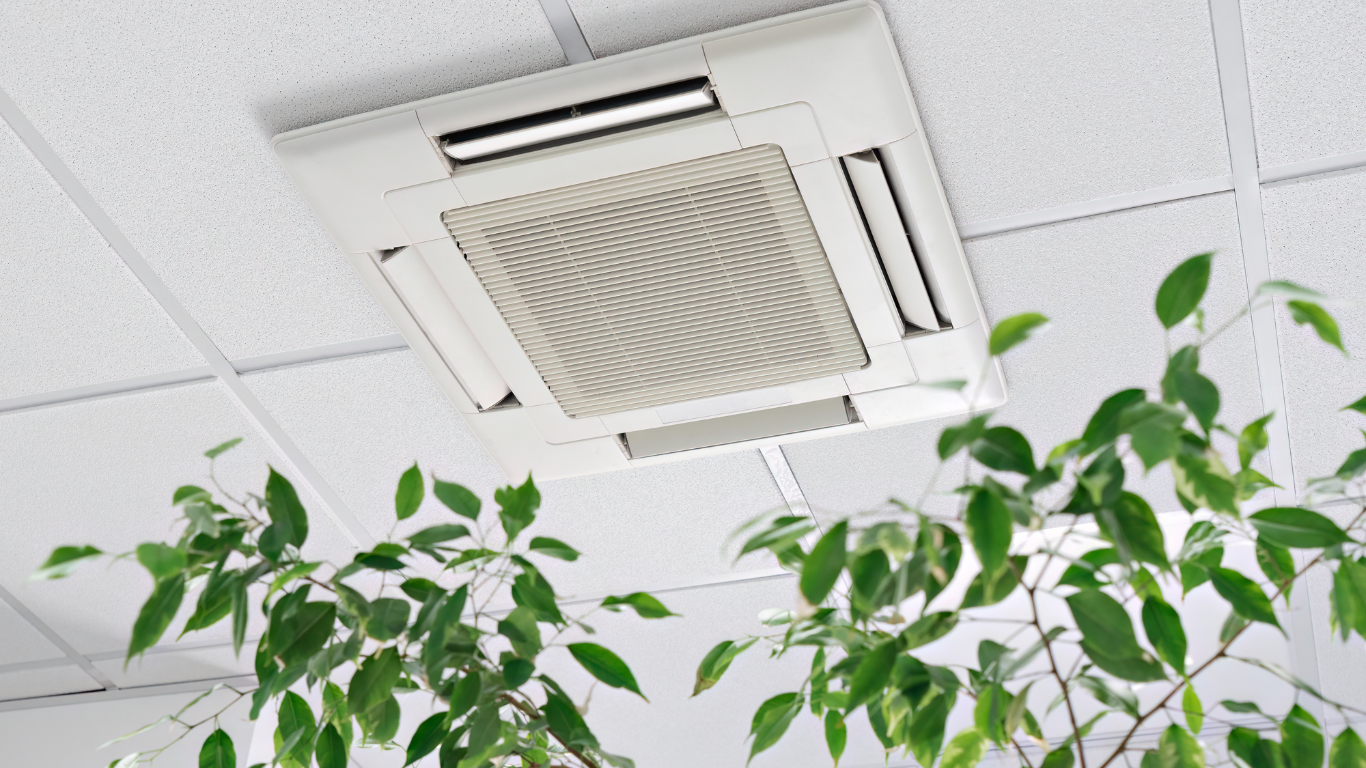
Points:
(1053, 665)
(532, 713)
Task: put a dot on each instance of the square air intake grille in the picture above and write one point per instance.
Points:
(687, 281)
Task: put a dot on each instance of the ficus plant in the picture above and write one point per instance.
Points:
(419, 615)
(1081, 591)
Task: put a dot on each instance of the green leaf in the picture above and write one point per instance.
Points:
(1082, 572)
(1278, 566)
(1244, 595)
(63, 562)
(605, 666)
(517, 507)
(1162, 625)
(297, 637)
(928, 628)
(1302, 738)
(871, 674)
(296, 716)
(410, 491)
(1154, 431)
(1203, 479)
(219, 449)
(1060, 758)
(553, 548)
(564, 721)
(1195, 711)
(215, 602)
(296, 572)
(1323, 324)
(1005, 450)
(926, 732)
(436, 534)
(1348, 598)
(380, 723)
(457, 498)
(156, 615)
(836, 735)
(645, 605)
(1014, 330)
(771, 721)
(1104, 425)
(1253, 440)
(218, 751)
(1347, 751)
(1108, 637)
(1359, 406)
(388, 618)
(966, 750)
(426, 738)
(1352, 466)
(286, 513)
(1242, 742)
(780, 535)
(371, 685)
(531, 590)
(990, 712)
(1179, 749)
(160, 560)
(520, 628)
(822, 567)
(1130, 524)
(956, 438)
(332, 750)
(1289, 290)
(717, 661)
(1297, 528)
(516, 671)
(1122, 699)
(987, 590)
(989, 529)
(1183, 289)
(1200, 395)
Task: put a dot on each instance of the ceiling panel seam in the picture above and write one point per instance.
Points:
(131, 692)
(303, 470)
(567, 31)
(52, 637)
(1235, 91)
(1312, 167)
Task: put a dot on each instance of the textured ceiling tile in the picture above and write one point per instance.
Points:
(29, 683)
(364, 420)
(101, 472)
(614, 26)
(71, 312)
(20, 642)
(1032, 105)
(1307, 72)
(1096, 279)
(165, 112)
(1316, 234)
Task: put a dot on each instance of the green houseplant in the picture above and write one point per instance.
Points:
(1062, 529)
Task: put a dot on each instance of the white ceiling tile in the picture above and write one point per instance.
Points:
(1033, 105)
(167, 666)
(101, 472)
(72, 313)
(1308, 77)
(614, 26)
(48, 681)
(165, 112)
(71, 735)
(363, 420)
(1316, 234)
(1096, 279)
(20, 642)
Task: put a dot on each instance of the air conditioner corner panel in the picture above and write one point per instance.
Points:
(344, 172)
(557, 428)
(519, 449)
(791, 126)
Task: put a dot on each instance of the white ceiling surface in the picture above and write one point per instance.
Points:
(1026, 105)
(1095, 279)
(363, 420)
(1307, 75)
(68, 306)
(165, 113)
(1316, 236)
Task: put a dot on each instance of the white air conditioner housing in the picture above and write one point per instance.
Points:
(734, 240)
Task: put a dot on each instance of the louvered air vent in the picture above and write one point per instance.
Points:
(681, 282)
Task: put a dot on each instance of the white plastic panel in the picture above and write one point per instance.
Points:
(915, 184)
(842, 64)
(890, 367)
(791, 126)
(889, 235)
(596, 159)
(558, 428)
(693, 279)
(424, 297)
(514, 442)
(418, 209)
(955, 355)
(343, 172)
(846, 243)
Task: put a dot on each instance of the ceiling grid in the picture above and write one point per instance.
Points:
(1244, 181)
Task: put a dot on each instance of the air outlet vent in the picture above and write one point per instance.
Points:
(681, 282)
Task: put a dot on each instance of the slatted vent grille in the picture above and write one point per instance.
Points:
(692, 280)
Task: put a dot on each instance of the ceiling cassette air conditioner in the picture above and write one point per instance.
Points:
(724, 242)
